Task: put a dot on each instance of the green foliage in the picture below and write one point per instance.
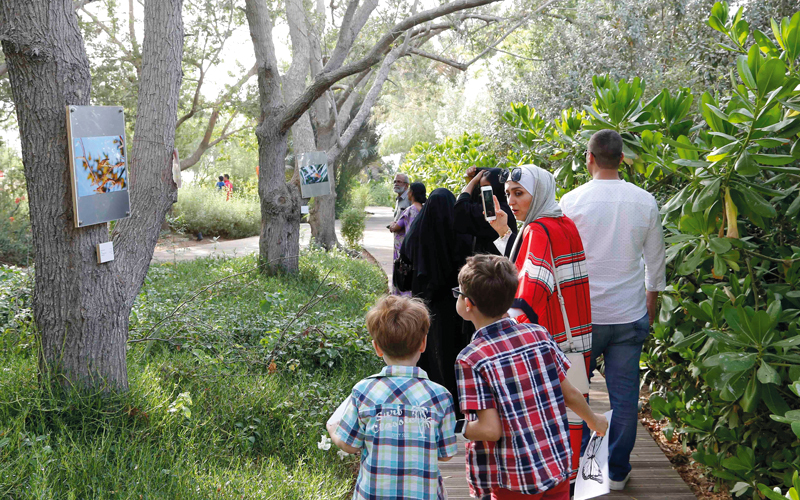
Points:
(353, 225)
(444, 164)
(204, 416)
(206, 210)
(16, 241)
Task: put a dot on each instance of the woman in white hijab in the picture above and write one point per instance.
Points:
(549, 237)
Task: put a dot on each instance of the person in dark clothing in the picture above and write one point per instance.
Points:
(469, 212)
(436, 253)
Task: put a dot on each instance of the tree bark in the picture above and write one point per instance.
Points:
(279, 241)
(81, 308)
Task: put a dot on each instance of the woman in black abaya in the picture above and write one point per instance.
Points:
(436, 254)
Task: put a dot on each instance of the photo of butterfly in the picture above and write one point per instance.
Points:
(590, 470)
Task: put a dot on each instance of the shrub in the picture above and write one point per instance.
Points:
(381, 193)
(353, 225)
(16, 240)
(361, 197)
(207, 211)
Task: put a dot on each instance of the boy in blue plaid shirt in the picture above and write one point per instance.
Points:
(400, 422)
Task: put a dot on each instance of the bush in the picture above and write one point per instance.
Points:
(353, 225)
(381, 193)
(361, 197)
(204, 210)
(16, 240)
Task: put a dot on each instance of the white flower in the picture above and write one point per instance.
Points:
(324, 443)
(342, 454)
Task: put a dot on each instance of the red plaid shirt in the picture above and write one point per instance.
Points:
(517, 369)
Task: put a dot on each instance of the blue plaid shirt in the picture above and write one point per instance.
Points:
(403, 424)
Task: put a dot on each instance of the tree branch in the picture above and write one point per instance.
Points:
(434, 57)
(352, 23)
(513, 28)
(195, 101)
(326, 79)
(113, 38)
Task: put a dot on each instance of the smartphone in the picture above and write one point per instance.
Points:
(460, 424)
(487, 195)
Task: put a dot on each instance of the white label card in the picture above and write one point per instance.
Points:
(105, 252)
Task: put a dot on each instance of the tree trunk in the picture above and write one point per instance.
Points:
(279, 241)
(322, 215)
(81, 308)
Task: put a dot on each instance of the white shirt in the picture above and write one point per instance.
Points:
(623, 240)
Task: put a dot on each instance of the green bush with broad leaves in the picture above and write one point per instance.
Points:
(443, 165)
(723, 363)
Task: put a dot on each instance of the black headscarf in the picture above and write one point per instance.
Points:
(431, 244)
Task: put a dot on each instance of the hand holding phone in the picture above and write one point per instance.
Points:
(487, 196)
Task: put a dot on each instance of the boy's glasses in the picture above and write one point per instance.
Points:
(514, 175)
(457, 291)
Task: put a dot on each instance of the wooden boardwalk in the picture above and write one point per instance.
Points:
(652, 477)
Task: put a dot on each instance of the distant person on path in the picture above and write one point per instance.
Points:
(401, 423)
(228, 187)
(549, 238)
(416, 195)
(221, 183)
(625, 255)
(512, 381)
(401, 189)
(469, 212)
(436, 253)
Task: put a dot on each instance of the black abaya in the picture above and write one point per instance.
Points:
(436, 254)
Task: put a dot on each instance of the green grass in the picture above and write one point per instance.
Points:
(207, 210)
(249, 433)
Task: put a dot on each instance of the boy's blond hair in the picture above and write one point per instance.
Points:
(398, 325)
(490, 282)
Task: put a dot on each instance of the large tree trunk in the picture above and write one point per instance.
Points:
(279, 242)
(81, 308)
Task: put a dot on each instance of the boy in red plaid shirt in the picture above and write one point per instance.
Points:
(512, 384)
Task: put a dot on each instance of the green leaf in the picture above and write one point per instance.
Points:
(792, 43)
(692, 163)
(745, 165)
(740, 115)
(774, 400)
(767, 374)
(756, 203)
(776, 31)
(767, 492)
(790, 342)
(732, 362)
(770, 76)
(678, 200)
(779, 126)
(770, 159)
(722, 152)
(683, 145)
(744, 72)
(720, 268)
(750, 398)
(719, 245)
(707, 196)
(764, 43)
(793, 208)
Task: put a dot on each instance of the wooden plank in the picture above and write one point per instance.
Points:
(652, 477)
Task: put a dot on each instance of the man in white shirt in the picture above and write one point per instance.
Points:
(402, 202)
(623, 239)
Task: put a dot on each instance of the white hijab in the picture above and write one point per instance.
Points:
(542, 186)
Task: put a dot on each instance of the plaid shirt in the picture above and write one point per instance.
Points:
(404, 423)
(517, 369)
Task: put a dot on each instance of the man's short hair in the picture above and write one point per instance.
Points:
(398, 325)
(221, 178)
(606, 146)
(490, 282)
(402, 176)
